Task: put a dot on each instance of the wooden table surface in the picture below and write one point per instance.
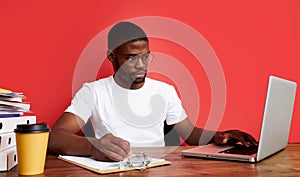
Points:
(284, 163)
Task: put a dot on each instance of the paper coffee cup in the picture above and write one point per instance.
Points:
(31, 142)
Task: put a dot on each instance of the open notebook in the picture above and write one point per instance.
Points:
(107, 167)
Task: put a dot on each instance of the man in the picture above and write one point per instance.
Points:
(127, 109)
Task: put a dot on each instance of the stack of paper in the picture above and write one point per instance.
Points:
(12, 104)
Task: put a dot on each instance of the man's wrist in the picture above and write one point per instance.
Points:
(213, 138)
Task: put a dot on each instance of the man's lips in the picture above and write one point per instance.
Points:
(139, 74)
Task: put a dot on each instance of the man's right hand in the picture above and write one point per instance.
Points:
(64, 139)
(110, 148)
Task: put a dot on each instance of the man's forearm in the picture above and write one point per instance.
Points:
(193, 135)
(63, 142)
(199, 136)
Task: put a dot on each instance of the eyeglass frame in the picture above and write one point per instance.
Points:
(132, 59)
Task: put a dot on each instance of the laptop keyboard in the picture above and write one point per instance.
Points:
(239, 149)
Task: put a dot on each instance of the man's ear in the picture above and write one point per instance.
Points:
(110, 56)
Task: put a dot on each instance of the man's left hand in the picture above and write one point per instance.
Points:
(233, 137)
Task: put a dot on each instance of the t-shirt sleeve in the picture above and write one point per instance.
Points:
(83, 103)
(176, 112)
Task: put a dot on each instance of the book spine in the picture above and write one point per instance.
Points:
(7, 140)
(8, 124)
(8, 159)
(9, 115)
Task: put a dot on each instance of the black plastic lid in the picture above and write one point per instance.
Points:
(32, 128)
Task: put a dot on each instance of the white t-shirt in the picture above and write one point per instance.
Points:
(134, 115)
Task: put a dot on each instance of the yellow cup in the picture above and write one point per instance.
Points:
(31, 142)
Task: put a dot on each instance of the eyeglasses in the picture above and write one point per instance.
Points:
(132, 59)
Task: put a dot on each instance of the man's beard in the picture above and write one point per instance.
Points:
(139, 80)
(130, 79)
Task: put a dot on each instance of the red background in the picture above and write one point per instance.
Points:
(41, 41)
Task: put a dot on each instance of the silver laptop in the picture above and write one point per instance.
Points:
(274, 132)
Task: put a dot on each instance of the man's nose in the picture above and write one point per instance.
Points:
(140, 63)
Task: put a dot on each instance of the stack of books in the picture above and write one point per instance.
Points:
(12, 109)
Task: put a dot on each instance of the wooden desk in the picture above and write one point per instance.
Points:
(284, 163)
